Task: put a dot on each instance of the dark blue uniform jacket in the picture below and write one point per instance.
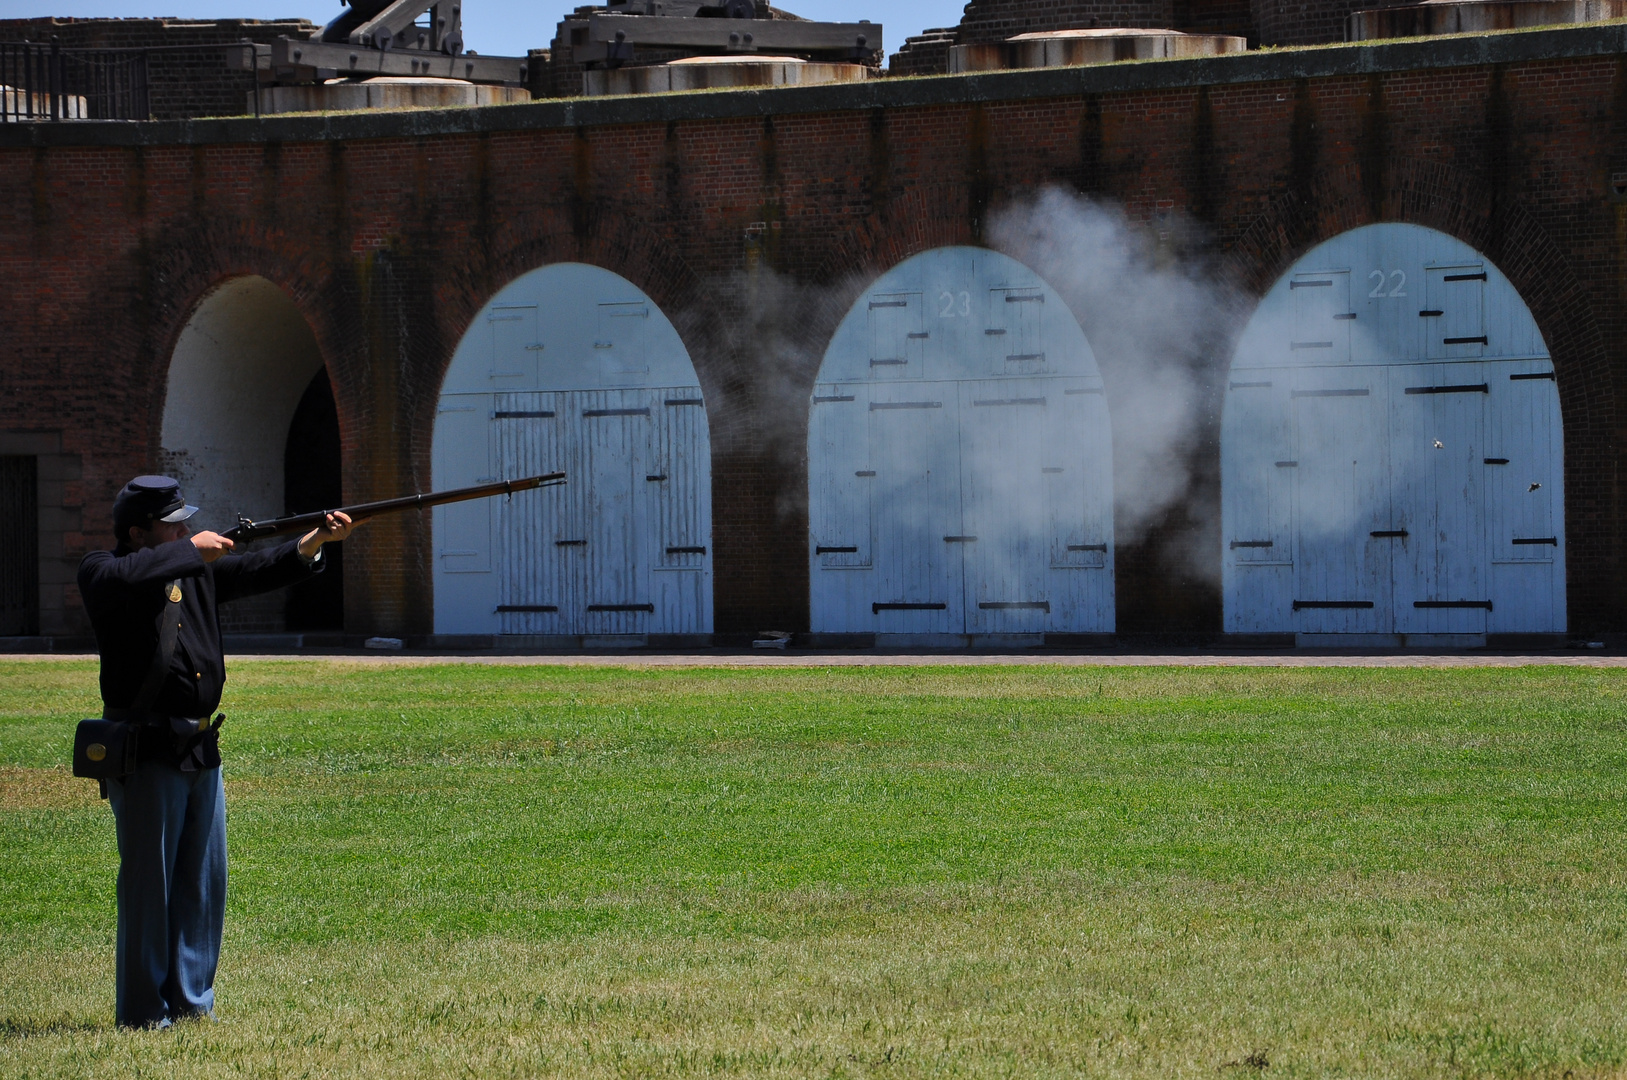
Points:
(124, 590)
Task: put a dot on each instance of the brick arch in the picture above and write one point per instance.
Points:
(182, 272)
(1458, 204)
(649, 263)
(916, 220)
(225, 281)
(614, 242)
(1461, 205)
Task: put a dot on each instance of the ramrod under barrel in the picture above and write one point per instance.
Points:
(256, 530)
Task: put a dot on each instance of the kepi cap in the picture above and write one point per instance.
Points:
(146, 499)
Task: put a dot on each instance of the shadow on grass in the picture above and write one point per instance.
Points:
(33, 1027)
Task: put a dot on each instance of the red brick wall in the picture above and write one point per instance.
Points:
(390, 242)
(1219, 17)
(924, 54)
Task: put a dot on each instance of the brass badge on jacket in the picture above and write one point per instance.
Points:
(175, 594)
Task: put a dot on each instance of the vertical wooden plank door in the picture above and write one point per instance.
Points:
(1341, 502)
(914, 443)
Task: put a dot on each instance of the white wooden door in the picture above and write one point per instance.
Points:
(679, 490)
(576, 371)
(462, 532)
(1257, 510)
(1341, 501)
(960, 459)
(1437, 499)
(1524, 470)
(897, 335)
(1005, 532)
(513, 329)
(615, 547)
(1078, 527)
(624, 548)
(841, 508)
(914, 450)
(622, 343)
(1454, 315)
(531, 436)
(1016, 337)
(1427, 467)
(1322, 317)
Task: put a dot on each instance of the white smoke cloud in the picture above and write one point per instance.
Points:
(1158, 326)
(762, 323)
(1155, 323)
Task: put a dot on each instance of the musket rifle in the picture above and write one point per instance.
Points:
(246, 529)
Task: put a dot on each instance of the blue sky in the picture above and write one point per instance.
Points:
(495, 27)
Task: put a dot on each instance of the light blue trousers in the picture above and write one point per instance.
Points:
(172, 891)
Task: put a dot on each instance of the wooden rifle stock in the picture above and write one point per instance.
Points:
(256, 530)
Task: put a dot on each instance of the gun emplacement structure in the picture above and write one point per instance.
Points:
(379, 37)
(246, 529)
(735, 27)
(406, 40)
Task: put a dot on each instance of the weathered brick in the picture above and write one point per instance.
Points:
(390, 241)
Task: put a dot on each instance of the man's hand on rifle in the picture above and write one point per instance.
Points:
(210, 544)
(337, 526)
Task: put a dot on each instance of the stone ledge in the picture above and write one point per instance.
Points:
(30, 443)
(1274, 65)
(239, 644)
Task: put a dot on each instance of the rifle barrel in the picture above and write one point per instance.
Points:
(255, 530)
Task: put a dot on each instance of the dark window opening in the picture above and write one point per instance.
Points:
(311, 482)
(19, 547)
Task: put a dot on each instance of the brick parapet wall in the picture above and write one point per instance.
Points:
(924, 54)
(1303, 22)
(182, 84)
(105, 250)
(1235, 17)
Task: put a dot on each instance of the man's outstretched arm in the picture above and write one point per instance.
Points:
(286, 564)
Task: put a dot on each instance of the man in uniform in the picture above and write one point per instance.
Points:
(171, 812)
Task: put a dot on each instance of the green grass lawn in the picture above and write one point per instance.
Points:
(888, 872)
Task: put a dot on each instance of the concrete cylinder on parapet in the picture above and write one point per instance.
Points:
(1073, 48)
(716, 73)
(385, 92)
(1477, 17)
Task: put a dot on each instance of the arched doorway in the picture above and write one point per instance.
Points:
(960, 461)
(312, 481)
(1391, 451)
(241, 367)
(571, 368)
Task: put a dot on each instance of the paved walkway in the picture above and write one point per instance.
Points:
(802, 658)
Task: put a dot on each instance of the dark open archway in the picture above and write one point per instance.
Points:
(311, 481)
(239, 375)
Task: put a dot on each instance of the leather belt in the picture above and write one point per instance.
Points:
(160, 731)
(136, 716)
